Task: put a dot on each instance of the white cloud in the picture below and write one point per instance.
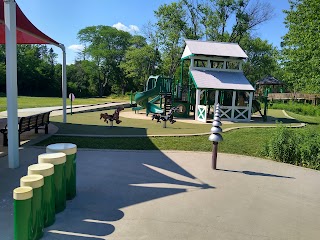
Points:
(76, 47)
(131, 29)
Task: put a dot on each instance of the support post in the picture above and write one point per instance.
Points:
(64, 83)
(214, 155)
(234, 95)
(11, 83)
(250, 105)
(198, 93)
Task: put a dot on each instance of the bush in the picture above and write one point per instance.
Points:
(299, 108)
(301, 148)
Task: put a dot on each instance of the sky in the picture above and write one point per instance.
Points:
(62, 19)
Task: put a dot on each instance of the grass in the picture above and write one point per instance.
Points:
(33, 102)
(247, 141)
(242, 141)
(90, 124)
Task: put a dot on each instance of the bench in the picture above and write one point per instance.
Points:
(28, 123)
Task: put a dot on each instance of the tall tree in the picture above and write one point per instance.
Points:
(141, 61)
(172, 28)
(231, 20)
(301, 51)
(262, 59)
(106, 47)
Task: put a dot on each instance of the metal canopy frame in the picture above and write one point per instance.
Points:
(15, 28)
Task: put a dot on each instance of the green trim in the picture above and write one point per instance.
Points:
(194, 82)
(191, 55)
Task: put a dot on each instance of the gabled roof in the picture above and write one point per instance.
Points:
(27, 33)
(269, 80)
(220, 49)
(207, 79)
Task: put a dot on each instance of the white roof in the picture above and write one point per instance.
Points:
(221, 80)
(208, 48)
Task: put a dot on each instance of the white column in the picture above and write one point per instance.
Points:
(250, 105)
(191, 63)
(11, 82)
(233, 104)
(216, 100)
(64, 83)
(198, 93)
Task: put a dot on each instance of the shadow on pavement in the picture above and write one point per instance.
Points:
(256, 173)
(106, 182)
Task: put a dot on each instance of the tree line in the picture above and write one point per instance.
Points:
(114, 61)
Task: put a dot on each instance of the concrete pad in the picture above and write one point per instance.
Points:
(176, 195)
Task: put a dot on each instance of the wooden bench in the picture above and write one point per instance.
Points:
(28, 123)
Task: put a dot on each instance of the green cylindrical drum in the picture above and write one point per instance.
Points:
(58, 160)
(70, 150)
(36, 182)
(48, 193)
(22, 213)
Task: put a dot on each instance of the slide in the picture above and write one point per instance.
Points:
(141, 98)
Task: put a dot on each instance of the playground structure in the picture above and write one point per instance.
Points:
(215, 76)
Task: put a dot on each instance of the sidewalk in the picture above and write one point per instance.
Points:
(158, 195)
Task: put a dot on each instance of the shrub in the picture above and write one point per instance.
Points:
(301, 148)
(299, 108)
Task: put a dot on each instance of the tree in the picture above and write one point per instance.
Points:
(106, 47)
(262, 59)
(301, 51)
(141, 61)
(171, 29)
(217, 15)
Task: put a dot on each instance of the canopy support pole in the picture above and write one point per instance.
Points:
(11, 82)
(64, 83)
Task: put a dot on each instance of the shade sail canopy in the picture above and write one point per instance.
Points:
(27, 33)
(221, 80)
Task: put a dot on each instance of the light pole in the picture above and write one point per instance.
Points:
(215, 136)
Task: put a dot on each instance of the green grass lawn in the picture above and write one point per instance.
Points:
(90, 124)
(247, 141)
(32, 102)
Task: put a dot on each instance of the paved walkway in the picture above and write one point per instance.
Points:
(175, 195)
(158, 195)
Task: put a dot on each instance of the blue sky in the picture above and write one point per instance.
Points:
(62, 19)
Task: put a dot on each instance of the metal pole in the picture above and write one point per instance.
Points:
(11, 76)
(71, 105)
(64, 82)
(214, 155)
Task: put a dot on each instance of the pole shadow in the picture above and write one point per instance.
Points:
(251, 173)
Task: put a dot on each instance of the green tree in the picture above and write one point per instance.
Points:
(301, 51)
(106, 47)
(171, 29)
(217, 18)
(262, 59)
(141, 61)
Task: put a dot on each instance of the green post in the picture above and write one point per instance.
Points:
(70, 150)
(22, 207)
(36, 182)
(48, 194)
(58, 160)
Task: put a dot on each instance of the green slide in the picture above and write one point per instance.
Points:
(142, 98)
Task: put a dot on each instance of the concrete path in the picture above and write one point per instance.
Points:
(175, 195)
